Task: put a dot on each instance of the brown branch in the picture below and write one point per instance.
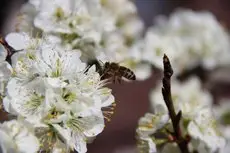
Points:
(175, 118)
(10, 50)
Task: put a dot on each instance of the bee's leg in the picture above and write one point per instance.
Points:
(114, 79)
(119, 79)
(102, 76)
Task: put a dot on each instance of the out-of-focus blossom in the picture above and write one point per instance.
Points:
(24, 21)
(222, 113)
(5, 69)
(147, 126)
(16, 137)
(226, 148)
(203, 129)
(197, 124)
(187, 40)
(170, 147)
(187, 96)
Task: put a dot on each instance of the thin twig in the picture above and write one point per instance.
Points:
(10, 50)
(166, 91)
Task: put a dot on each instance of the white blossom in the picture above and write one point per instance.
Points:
(170, 147)
(226, 148)
(24, 41)
(16, 137)
(72, 17)
(187, 40)
(154, 46)
(94, 27)
(5, 69)
(148, 125)
(134, 61)
(27, 100)
(50, 140)
(203, 128)
(116, 7)
(189, 97)
(41, 57)
(77, 127)
(24, 21)
(222, 112)
(126, 20)
(197, 117)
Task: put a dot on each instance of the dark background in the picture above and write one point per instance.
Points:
(132, 98)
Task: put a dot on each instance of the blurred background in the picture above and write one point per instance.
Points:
(119, 134)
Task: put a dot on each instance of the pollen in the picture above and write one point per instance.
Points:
(75, 124)
(47, 140)
(31, 56)
(49, 134)
(34, 103)
(53, 113)
(109, 111)
(58, 71)
(68, 96)
(104, 2)
(59, 13)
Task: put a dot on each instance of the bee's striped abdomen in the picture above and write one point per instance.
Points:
(127, 73)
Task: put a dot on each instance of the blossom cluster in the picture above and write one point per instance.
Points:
(190, 43)
(198, 125)
(15, 136)
(100, 29)
(222, 112)
(45, 78)
(50, 88)
(189, 39)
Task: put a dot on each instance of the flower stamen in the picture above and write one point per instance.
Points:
(109, 111)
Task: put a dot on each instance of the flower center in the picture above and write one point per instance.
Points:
(34, 103)
(68, 96)
(58, 71)
(31, 56)
(47, 138)
(59, 13)
(158, 51)
(76, 124)
(69, 38)
(53, 114)
(104, 2)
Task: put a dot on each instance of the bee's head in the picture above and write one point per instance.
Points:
(107, 64)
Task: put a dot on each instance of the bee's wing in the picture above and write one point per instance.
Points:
(125, 63)
(100, 63)
(87, 56)
(100, 67)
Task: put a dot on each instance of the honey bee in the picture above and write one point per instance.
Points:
(112, 70)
